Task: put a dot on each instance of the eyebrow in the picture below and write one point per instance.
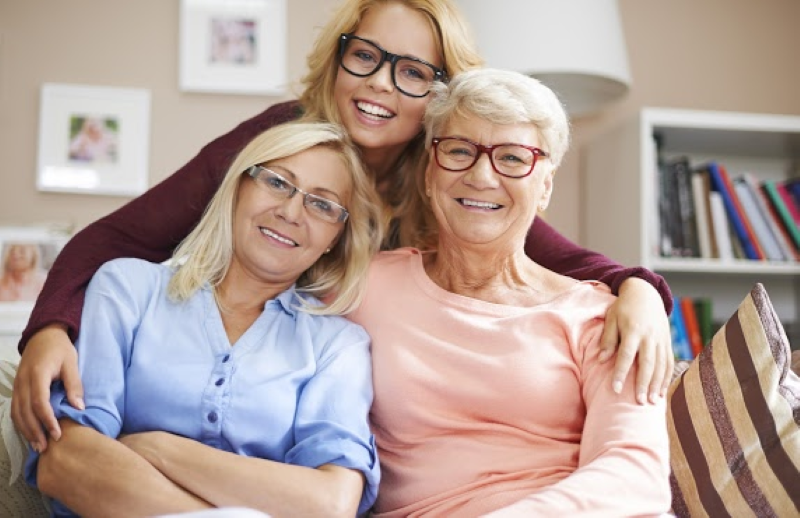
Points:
(401, 55)
(283, 171)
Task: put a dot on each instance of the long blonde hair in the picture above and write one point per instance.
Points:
(206, 253)
(405, 194)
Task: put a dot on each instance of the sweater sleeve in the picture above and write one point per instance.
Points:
(553, 251)
(623, 465)
(148, 227)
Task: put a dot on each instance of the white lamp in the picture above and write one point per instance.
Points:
(576, 47)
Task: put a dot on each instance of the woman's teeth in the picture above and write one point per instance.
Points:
(273, 235)
(377, 111)
(479, 204)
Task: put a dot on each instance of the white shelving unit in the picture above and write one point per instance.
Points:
(621, 218)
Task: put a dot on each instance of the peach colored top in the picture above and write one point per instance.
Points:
(483, 407)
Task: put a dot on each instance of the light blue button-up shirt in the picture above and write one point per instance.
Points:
(295, 387)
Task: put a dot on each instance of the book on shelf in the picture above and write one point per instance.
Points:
(793, 186)
(701, 188)
(761, 226)
(770, 188)
(673, 239)
(703, 308)
(719, 221)
(721, 182)
(779, 234)
(691, 325)
(788, 200)
(680, 340)
(687, 216)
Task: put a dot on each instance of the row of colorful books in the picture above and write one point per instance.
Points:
(692, 326)
(705, 212)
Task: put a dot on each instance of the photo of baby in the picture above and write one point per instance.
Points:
(93, 139)
(233, 41)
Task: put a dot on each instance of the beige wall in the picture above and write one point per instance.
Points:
(705, 54)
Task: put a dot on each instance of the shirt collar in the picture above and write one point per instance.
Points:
(290, 301)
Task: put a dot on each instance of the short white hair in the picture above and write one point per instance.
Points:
(500, 97)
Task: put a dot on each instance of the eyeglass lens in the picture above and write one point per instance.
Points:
(363, 58)
(282, 188)
(508, 159)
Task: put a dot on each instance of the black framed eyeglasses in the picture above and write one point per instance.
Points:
(362, 58)
(508, 159)
(283, 189)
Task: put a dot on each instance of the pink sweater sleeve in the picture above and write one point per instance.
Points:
(148, 227)
(624, 456)
(557, 253)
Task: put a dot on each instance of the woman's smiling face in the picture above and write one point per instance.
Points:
(380, 119)
(480, 206)
(277, 239)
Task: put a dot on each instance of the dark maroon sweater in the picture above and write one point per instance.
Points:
(152, 225)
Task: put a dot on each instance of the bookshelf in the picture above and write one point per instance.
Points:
(621, 199)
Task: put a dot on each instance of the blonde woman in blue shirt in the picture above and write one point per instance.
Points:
(232, 354)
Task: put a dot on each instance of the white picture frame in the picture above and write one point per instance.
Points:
(233, 46)
(26, 257)
(93, 140)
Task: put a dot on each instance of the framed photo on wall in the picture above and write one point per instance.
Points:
(26, 256)
(234, 47)
(93, 140)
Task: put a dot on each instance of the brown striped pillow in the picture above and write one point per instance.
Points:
(734, 421)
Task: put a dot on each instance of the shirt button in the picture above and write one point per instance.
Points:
(226, 358)
(212, 417)
(220, 382)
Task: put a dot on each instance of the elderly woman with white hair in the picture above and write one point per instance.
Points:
(489, 394)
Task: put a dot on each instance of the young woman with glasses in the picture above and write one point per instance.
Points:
(370, 70)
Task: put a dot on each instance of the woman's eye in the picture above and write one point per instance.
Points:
(509, 157)
(413, 73)
(364, 56)
(278, 184)
(322, 205)
(460, 152)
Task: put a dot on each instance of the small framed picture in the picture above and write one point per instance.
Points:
(234, 46)
(93, 140)
(26, 256)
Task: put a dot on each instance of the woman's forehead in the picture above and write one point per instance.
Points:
(401, 30)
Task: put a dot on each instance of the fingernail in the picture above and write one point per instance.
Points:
(617, 387)
(604, 354)
(653, 397)
(641, 398)
(35, 447)
(81, 404)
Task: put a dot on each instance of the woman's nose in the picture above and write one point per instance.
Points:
(291, 209)
(482, 174)
(381, 80)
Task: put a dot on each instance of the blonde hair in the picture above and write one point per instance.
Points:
(206, 253)
(455, 44)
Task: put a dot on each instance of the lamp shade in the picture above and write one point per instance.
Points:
(576, 47)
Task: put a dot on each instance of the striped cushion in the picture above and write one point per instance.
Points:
(734, 421)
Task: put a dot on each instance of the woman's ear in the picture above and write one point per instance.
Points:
(428, 173)
(547, 191)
